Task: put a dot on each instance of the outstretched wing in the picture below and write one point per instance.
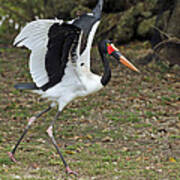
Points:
(35, 34)
(88, 23)
(50, 42)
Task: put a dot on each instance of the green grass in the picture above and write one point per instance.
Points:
(149, 114)
(113, 134)
(175, 137)
(122, 116)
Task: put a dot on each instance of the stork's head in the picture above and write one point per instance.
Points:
(107, 47)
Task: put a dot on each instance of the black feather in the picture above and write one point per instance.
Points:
(86, 21)
(23, 86)
(61, 38)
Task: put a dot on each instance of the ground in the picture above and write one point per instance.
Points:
(129, 130)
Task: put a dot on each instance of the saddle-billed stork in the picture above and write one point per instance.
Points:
(60, 63)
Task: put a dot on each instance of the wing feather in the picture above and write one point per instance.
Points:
(85, 56)
(37, 66)
(50, 42)
(34, 36)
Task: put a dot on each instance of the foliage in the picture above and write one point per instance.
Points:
(14, 14)
(121, 18)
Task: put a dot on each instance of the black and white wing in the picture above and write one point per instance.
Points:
(88, 23)
(50, 42)
(54, 42)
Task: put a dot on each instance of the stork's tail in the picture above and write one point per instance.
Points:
(24, 86)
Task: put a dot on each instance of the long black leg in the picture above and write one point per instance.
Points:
(31, 120)
(50, 133)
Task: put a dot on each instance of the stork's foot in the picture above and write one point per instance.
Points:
(50, 131)
(11, 156)
(69, 171)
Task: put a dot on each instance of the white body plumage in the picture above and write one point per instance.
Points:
(77, 80)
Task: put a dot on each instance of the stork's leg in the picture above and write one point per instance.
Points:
(50, 133)
(30, 121)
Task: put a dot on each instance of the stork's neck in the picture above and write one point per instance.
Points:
(107, 71)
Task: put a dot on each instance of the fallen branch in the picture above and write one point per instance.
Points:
(167, 42)
(162, 32)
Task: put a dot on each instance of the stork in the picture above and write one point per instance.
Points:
(60, 64)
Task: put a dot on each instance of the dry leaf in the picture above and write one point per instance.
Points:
(107, 139)
(87, 145)
(35, 166)
(171, 159)
(146, 158)
(76, 138)
(89, 137)
(78, 149)
(139, 159)
(125, 149)
(70, 152)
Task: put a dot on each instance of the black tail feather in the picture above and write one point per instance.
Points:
(23, 86)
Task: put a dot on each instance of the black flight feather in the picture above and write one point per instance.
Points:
(86, 21)
(61, 38)
(24, 86)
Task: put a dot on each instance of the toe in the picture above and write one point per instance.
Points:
(11, 156)
(69, 171)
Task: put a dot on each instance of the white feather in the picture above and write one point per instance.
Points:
(74, 82)
(37, 66)
(85, 57)
(35, 37)
(35, 34)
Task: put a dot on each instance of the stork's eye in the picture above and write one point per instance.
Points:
(82, 64)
